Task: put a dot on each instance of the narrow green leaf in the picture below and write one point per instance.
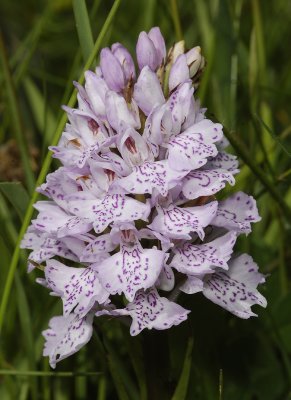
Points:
(83, 27)
(272, 134)
(118, 383)
(182, 387)
(121, 373)
(26, 327)
(220, 384)
(101, 388)
(176, 19)
(136, 355)
(43, 116)
(17, 196)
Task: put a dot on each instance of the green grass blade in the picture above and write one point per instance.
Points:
(118, 383)
(83, 27)
(176, 19)
(182, 387)
(47, 162)
(273, 135)
(43, 116)
(120, 371)
(26, 327)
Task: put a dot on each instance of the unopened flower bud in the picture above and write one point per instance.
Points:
(150, 49)
(195, 61)
(125, 60)
(179, 72)
(112, 70)
(175, 51)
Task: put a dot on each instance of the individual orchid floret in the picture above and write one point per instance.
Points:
(201, 259)
(133, 217)
(149, 310)
(132, 268)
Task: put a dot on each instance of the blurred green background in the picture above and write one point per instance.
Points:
(247, 87)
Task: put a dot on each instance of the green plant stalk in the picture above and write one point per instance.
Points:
(176, 19)
(243, 153)
(208, 36)
(15, 117)
(182, 387)
(220, 384)
(46, 165)
(259, 40)
(83, 28)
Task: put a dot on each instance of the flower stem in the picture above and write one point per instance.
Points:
(176, 20)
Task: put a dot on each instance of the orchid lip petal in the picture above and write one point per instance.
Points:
(236, 289)
(237, 213)
(131, 269)
(66, 335)
(178, 223)
(78, 287)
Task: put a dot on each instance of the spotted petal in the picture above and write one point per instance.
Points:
(66, 335)
(236, 213)
(177, 223)
(190, 149)
(78, 287)
(202, 258)
(149, 310)
(149, 176)
(102, 244)
(131, 269)
(52, 219)
(113, 208)
(45, 247)
(236, 289)
(224, 161)
(205, 182)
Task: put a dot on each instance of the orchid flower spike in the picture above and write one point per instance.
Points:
(133, 205)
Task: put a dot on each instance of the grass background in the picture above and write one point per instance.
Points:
(247, 87)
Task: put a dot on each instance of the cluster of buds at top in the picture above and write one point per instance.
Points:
(132, 211)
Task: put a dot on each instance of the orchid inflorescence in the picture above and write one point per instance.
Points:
(132, 209)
